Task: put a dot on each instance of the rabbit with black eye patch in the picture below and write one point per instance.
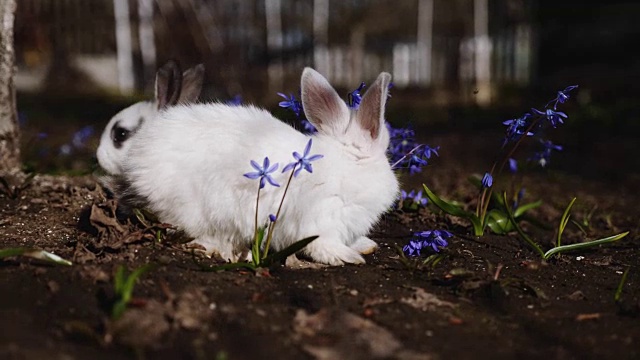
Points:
(187, 167)
(171, 87)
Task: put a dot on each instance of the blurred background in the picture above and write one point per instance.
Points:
(459, 66)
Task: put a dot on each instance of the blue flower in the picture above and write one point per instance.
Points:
(263, 172)
(418, 199)
(517, 128)
(436, 239)
(291, 103)
(413, 247)
(415, 198)
(487, 180)
(513, 165)
(516, 202)
(235, 101)
(554, 117)
(543, 157)
(81, 136)
(562, 96)
(303, 160)
(354, 98)
(427, 151)
(308, 126)
(272, 218)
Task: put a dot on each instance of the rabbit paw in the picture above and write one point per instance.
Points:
(333, 253)
(212, 246)
(364, 245)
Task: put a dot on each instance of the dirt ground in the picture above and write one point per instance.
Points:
(489, 297)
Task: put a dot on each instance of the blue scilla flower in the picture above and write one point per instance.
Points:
(308, 126)
(235, 101)
(513, 165)
(416, 198)
(263, 172)
(81, 136)
(516, 128)
(413, 248)
(303, 160)
(291, 103)
(427, 151)
(487, 181)
(435, 239)
(518, 199)
(355, 97)
(543, 156)
(554, 117)
(562, 97)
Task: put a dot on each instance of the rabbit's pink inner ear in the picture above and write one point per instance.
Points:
(322, 104)
(168, 84)
(371, 111)
(192, 80)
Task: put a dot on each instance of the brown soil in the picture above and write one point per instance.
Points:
(490, 297)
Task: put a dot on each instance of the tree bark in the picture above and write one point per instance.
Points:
(9, 132)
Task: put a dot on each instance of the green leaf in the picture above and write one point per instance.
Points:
(526, 207)
(564, 220)
(478, 227)
(524, 236)
(36, 254)
(255, 249)
(618, 293)
(118, 280)
(123, 286)
(584, 245)
(280, 256)
(499, 222)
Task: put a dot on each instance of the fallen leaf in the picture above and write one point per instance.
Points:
(425, 301)
(583, 317)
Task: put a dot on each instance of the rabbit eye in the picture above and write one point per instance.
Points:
(119, 135)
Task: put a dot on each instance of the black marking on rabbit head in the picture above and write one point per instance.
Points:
(120, 134)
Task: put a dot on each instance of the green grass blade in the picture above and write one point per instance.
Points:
(526, 207)
(618, 294)
(444, 205)
(478, 226)
(524, 236)
(282, 255)
(130, 282)
(36, 254)
(584, 245)
(564, 220)
(118, 280)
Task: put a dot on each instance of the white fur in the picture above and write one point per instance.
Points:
(189, 165)
(170, 88)
(109, 157)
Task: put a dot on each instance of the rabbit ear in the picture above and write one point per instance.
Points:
(322, 105)
(168, 84)
(192, 80)
(370, 114)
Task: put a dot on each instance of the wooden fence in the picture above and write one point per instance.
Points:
(259, 46)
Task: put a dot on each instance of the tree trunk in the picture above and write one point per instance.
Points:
(9, 134)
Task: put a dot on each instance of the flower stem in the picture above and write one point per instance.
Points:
(273, 224)
(393, 166)
(483, 198)
(255, 231)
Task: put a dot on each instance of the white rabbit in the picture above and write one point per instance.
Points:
(171, 87)
(187, 167)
